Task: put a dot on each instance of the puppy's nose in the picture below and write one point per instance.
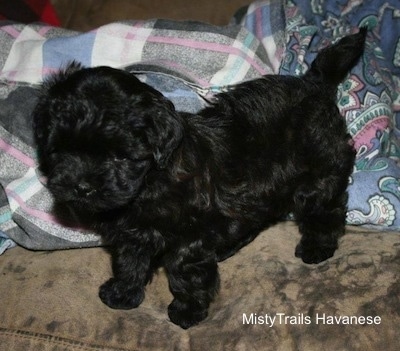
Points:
(84, 189)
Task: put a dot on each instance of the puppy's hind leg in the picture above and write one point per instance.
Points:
(321, 222)
(194, 281)
(320, 200)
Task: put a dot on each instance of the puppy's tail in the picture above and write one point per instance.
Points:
(334, 62)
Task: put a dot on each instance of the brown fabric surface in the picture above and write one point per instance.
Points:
(84, 15)
(49, 300)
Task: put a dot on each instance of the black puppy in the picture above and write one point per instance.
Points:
(186, 191)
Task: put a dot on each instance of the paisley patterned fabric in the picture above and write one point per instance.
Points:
(369, 99)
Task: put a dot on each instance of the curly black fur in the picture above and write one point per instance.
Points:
(186, 191)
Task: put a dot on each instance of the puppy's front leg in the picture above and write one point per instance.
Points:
(194, 281)
(132, 270)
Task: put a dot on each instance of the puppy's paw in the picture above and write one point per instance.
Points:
(314, 254)
(117, 294)
(185, 315)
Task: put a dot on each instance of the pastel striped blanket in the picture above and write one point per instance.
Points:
(188, 62)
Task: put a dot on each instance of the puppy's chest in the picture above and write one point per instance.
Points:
(174, 212)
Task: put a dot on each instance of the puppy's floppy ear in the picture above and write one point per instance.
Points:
(166, 131)
(169, 132)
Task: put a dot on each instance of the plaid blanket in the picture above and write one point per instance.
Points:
(189, 62)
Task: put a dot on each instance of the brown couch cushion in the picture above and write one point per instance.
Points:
(88, 14)
(49, 300)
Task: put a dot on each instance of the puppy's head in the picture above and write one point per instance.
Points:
(98, 132)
